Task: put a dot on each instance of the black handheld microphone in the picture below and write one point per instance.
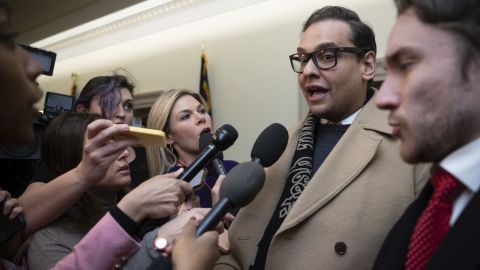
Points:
(270, 145)
(204, 141)
(218, 164)
(238, 189)
(223, 138)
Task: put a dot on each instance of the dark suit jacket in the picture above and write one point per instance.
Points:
(459, 249)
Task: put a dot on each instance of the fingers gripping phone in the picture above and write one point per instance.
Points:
(9, 227)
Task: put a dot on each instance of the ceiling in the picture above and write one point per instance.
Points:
(35, 20)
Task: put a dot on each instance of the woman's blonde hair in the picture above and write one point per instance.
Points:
(159, 159)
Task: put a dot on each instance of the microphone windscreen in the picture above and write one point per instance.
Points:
(204, 140)
(242, 183)
(224, 137)
(270, 144)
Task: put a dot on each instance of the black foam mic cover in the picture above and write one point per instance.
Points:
(270, 145)
(243, 183)
(238, 189)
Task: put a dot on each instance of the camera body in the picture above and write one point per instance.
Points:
(20, 162)
(55, 104)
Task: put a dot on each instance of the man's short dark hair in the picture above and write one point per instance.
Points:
(459, 17)
(362, 35)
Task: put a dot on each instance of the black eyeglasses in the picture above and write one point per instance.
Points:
(9, 40)
(323, 59)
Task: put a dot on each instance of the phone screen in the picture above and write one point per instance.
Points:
(198, 181)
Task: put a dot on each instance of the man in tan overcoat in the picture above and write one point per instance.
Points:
(335, 193)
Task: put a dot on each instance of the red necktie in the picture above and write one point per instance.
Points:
(434, 223)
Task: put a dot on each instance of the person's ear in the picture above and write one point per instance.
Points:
(170, 140)
(81, 108)
(369, 66)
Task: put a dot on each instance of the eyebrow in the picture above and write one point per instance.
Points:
(189, 111)
(320, 46)
(393, 57)
(184, 111)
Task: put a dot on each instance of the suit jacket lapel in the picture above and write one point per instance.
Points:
(394, 250)
(459, 249)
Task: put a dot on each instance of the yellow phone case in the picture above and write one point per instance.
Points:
(146, 136)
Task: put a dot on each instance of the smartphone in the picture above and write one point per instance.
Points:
(9, 227)
(146, 136)
(199, 180)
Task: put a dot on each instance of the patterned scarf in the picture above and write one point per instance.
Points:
(301, 167)
(297, 179)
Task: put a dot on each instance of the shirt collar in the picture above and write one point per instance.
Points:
(463, 163)
(349, 120)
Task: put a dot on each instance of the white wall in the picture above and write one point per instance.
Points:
(251, 81)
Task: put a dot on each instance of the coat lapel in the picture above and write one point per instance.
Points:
(347, 160)
(333, 176)
(269, 196)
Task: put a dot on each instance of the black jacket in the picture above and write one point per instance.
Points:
(459, 249)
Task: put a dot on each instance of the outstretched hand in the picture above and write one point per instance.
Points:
(155, 198)
(11, 207)
(216, 189)
(100, 150)
(190, 252)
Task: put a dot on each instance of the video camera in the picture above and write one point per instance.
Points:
(20, 162)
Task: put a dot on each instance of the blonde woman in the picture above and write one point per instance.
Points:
(182, 114)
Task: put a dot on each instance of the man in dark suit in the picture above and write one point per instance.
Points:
(432, 91)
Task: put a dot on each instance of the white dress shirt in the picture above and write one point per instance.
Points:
(349, 120)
